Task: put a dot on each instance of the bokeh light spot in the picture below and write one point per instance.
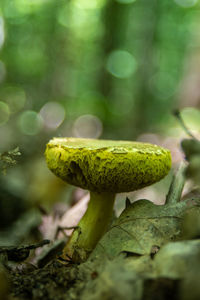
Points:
(4, 113)
(53, 114)
(30, 122)
(121, 64)
(87, 126)
(15, 97)
(186, 3)
(163, 85)
(88, 4)
(125, 1)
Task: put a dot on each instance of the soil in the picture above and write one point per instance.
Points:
(61, 282)
(49, 283)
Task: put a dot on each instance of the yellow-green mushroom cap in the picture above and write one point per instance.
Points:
(106, 165)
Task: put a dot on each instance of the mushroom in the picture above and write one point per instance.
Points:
(104, 167)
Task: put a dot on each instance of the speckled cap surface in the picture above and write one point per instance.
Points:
(105, 165)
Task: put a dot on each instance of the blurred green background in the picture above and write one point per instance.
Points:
(113, 69)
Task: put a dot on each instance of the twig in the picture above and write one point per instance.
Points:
(177, 114)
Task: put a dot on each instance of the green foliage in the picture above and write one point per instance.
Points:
(8, 159)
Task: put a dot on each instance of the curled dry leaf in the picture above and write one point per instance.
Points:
(74, 214)
(71, 217)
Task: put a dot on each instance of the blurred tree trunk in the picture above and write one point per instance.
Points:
(115, 18)
(165, 36)
(145, 105)
(115, 22)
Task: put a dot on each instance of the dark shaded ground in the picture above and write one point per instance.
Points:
(57, 281)
(50, 282)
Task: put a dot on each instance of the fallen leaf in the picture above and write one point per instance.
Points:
(143, 225)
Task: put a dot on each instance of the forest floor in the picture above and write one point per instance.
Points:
(153, 256)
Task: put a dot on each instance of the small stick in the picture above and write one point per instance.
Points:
(177, 114)
(40, 244)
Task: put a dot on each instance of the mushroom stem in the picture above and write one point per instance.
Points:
(91, 227)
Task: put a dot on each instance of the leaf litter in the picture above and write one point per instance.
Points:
(122, 265)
